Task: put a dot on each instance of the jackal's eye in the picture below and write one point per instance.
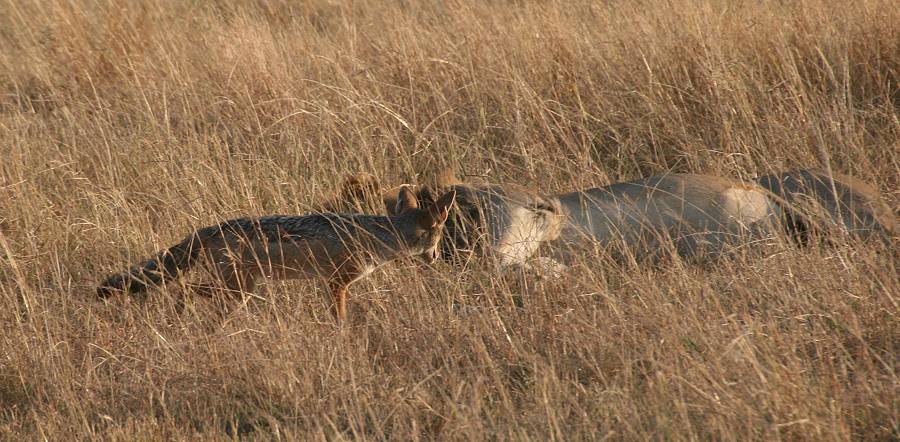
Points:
(428, 238)
(423, 238)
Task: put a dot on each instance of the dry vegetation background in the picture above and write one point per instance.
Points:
(125, 124)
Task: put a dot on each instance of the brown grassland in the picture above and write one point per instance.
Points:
(124, 124)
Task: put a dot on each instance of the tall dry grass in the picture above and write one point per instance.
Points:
(125, 124)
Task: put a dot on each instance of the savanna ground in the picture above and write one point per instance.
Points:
(123, 125)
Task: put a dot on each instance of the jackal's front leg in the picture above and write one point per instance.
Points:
(338, 300)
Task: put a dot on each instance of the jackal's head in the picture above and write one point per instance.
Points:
(423, 226)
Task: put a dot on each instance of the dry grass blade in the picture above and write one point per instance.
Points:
(124, 125)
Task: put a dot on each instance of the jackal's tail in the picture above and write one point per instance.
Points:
(165, 266)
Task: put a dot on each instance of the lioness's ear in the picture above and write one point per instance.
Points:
(355, 191)
(440, 210)
(446, 177)
(360, 185)
(406, 200)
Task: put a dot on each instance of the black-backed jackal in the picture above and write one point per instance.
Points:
(340, 249)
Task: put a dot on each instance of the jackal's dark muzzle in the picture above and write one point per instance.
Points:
(430, 256)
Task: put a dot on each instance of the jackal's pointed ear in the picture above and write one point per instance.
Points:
(439, 211)
(389, 198)
(406, 200)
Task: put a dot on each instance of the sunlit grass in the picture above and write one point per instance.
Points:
(123, 125)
